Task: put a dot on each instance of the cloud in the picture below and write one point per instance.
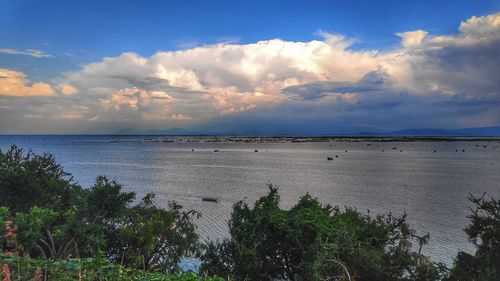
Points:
(15, 83)
(215, 80)
(180, 117)
(316, 86)
(67, 89)
(486, 26)
(412, 38)
(27, 52)
(465, 64)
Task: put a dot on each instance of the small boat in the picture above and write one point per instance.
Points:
(209, 199)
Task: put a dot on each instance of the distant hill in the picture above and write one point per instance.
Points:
(175, 131)
(465, 132)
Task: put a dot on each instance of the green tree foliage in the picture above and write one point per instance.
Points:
(28, 180)
(56, 219)
(153, 238)
(100, 213)
(218, 259)
(315, 242)
(105, 200)
(484, 232)
(95, 269)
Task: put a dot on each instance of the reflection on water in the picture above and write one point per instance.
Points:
(430, 186)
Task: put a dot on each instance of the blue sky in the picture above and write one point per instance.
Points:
(90, 30)
(68, 36)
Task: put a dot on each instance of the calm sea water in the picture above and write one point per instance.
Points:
(432, 187)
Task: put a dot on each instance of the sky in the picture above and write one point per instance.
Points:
(248, 67)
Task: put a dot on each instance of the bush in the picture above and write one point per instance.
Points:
(98, 269)
(316, 242)
(56, 219)
(152, 238)
(28, 180)
(484, 232)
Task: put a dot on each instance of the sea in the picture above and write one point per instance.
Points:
(428, 179)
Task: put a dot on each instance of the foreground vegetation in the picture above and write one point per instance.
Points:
(99, 269)
(56, 230)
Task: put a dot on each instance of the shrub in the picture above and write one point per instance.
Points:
(57, 219)
(98, 269)
(484, 232)
(316, 242)
(28, 180)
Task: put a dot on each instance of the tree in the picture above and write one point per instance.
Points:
(55, 218)
(28, 180)
(33, 235)
(484, 232)
(152, 238)
(99, 214)
(313, 241)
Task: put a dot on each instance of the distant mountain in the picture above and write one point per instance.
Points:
(425, 132)
(167, 132)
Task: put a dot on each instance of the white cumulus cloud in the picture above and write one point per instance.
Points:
(412, 38)
(323, 80)
(15, 83)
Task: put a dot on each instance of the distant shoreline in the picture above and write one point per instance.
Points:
(274, 139)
